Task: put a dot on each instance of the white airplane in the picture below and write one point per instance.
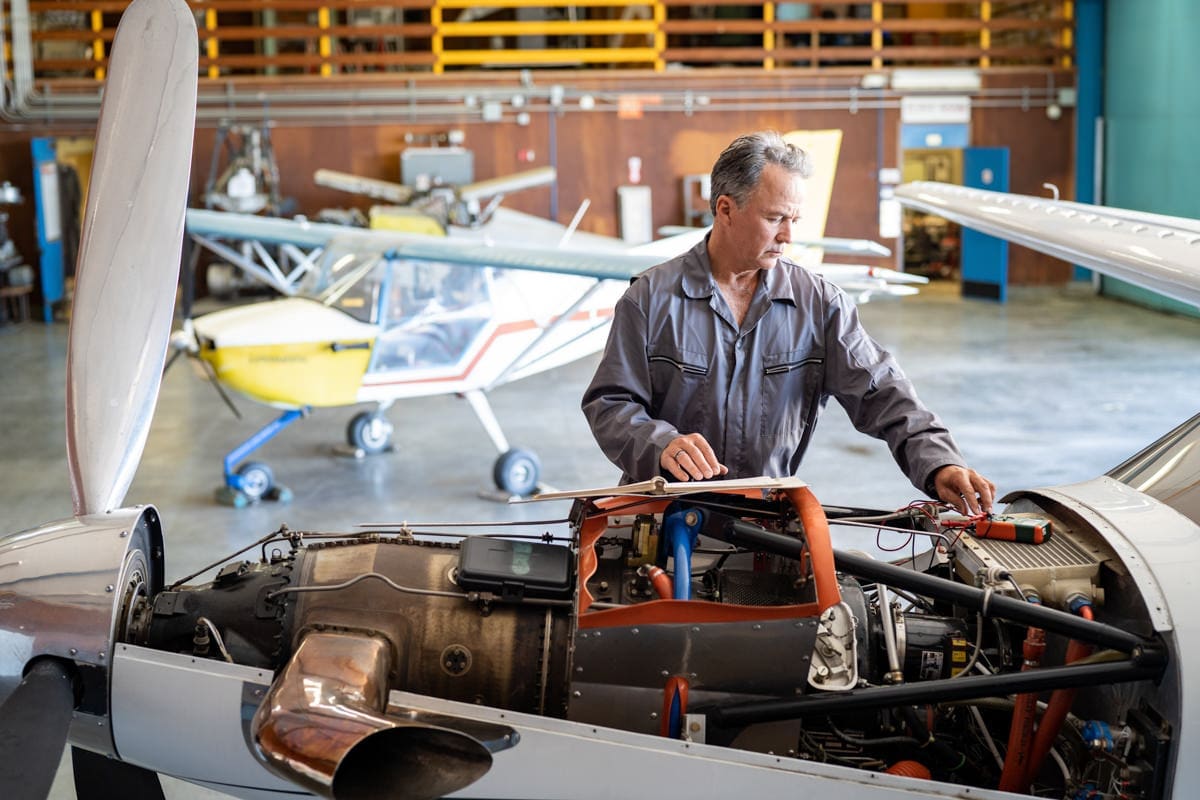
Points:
(383, 315)
(622, 662)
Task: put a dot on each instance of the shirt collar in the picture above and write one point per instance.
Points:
(698, 282)
(779, 284)
(697, 272)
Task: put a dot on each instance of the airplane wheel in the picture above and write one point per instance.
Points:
(257, 479)
(370, 432)
(517, 472)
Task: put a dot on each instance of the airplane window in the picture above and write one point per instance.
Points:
(347, 281)
(433, 316)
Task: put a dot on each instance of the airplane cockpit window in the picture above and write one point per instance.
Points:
(348, 281)
(432, 315)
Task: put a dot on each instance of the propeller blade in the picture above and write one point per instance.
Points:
(99, 778)
(34, 722)
(396, 193)
(507, 184)
(130, 249)
(212, 378)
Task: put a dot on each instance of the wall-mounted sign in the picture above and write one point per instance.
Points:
(935, 109)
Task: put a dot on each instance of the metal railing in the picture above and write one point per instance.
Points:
(68, 40)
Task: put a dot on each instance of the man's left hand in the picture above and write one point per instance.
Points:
(969, 492)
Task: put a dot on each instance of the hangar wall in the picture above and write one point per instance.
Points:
(591, 149)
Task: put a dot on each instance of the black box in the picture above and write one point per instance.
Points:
(514, 569)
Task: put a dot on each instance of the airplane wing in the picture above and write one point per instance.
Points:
(1154, 251)
(832, 245)
(610, 265)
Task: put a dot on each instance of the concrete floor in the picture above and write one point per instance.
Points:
(1054, 387)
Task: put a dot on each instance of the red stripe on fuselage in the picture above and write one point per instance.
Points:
(503, 329)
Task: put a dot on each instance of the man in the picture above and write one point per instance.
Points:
(720, 360)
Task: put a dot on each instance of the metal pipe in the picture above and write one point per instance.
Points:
(887, 621)
(322, 726)
(939, 691)
(990, 604)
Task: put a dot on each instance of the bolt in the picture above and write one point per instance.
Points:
(653, 715)
(695, 727)
(576, 693)
(109, 588)
(635, 631)
(124, 534)
(73, 651)
(665, 673)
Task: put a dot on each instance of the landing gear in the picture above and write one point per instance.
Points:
(516, 472)
(254, 480)
(257, 479)
(370, 432)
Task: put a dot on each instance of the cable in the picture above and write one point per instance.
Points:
(987, 735)
(333, 587)
(216, 637)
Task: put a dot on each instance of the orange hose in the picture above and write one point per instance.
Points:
(910, 769)
(1056, 710)
(1020, 735)
(661, 582)
(820, 547)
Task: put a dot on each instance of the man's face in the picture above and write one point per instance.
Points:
(761, 228)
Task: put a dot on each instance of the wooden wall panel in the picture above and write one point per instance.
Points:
(591, 151)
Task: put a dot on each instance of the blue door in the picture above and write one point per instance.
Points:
(49, 223)
(985, 258)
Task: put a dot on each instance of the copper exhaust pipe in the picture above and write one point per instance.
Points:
(322, 726)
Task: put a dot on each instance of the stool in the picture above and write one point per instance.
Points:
(16, 302)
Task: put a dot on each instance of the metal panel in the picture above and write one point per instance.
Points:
(187, 717)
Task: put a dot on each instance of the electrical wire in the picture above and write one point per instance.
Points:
(987, 736)
(216, 637)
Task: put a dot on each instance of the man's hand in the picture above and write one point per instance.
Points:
(691, 457)
(969, 492)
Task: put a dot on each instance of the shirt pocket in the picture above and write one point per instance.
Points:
(677, 381)
(791, 383)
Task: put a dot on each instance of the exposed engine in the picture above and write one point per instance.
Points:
(1013, 654)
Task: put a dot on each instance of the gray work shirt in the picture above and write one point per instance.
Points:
(676, 363)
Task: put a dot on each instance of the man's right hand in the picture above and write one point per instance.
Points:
(691, 457)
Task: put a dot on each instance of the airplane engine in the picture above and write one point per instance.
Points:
(717, 618)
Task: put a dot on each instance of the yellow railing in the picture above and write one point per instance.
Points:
(339, 37)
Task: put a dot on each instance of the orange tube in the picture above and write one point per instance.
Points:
(1020, 735)
(675, 685)
(1056, 710)
(816, 534)
(661, 582)
(909, 769)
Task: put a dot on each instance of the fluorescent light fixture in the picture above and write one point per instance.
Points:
(935, 80)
